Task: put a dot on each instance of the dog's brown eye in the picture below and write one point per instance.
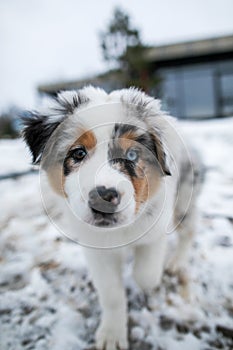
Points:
(78, 154)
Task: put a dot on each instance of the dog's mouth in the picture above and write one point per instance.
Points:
(102, 219)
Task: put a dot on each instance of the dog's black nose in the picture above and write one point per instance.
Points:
(104, 200)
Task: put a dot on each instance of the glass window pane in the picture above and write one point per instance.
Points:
(227, 93)
(171, 92)
(199, 93)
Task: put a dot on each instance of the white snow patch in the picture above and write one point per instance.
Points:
(47, 300)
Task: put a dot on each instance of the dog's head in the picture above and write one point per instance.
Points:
(105, 153)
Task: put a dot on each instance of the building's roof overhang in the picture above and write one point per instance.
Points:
(189, 49)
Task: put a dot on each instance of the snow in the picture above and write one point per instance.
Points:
(47, 300)
(14, 156)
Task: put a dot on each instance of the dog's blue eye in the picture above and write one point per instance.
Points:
(79, 154)
(132, 155)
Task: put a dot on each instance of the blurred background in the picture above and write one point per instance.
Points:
(181, 52)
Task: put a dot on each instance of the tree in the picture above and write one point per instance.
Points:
(123, 48)
(8, 123)
(119, 36)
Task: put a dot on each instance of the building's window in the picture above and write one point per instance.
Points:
(226, 84)
(199, 93)
(171, 91)
(200, 90)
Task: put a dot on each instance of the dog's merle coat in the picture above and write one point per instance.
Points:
(122, 149)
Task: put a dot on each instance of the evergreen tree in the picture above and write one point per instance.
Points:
(122, 47)
(119, 36)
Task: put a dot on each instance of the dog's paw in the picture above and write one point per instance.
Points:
(177, 265)
(111, 337)
(180, 269)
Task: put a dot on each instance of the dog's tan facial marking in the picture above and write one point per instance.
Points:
(146, 183)
(127, 141)
(56, 174)
(140, 185)
(56, 179)
(78, 151)
(129, 135)
(87, 139)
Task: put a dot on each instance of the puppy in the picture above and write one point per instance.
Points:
(122, 169)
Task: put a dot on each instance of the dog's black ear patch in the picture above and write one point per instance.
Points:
(153, 143)
(39, 127)
(160, 154)
(37, 131)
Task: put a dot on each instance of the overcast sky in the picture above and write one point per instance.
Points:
(51, 40)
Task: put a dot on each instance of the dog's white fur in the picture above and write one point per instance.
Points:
(155, 217)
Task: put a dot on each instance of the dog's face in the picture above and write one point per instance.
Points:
(103, 153)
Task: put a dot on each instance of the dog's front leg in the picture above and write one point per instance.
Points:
(106, 270)
(149, 263)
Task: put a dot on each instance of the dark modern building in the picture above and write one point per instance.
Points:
(195, 78)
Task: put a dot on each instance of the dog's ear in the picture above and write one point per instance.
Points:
(160, 154)
(152, 140)
(38, 127)
(36, 132)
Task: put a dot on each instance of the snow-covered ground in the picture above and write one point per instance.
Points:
(47, 300)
